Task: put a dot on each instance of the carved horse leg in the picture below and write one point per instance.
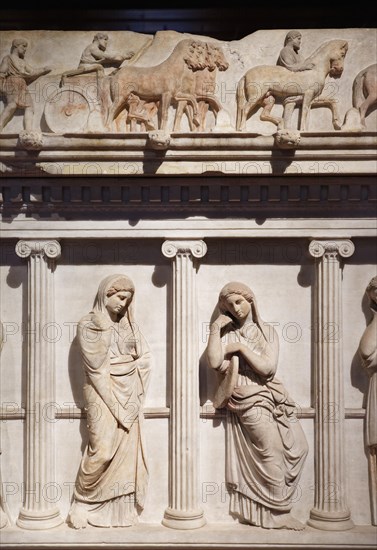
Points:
(268, 102)
(166, 98)
(364, 91)
(208, 102)
(370, 100)
(306, 104)
(132, 103)
(114, 111)
(165, 104)
(140, 113)
(143, 120)
(202, 113)
(332, 104)
(203, 107)
(178, 116)
(182, 107)
(203, 110)
(203, 103)
(190, 116)
(188, 104)
(121, 121)
(191, 100)
(289, 105)
(244, 106)
(291, 102)
(241, 106)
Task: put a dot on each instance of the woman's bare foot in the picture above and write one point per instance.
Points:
(286, 521)
(78, 516)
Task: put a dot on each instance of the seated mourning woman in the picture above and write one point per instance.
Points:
(265, 444)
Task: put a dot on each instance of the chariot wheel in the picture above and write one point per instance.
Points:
(67, 110)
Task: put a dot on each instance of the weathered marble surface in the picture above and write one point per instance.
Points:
(217, 78)
(256, 229)
(274, 255)
(172, 104)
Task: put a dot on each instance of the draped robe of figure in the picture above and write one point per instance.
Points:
(265, 444)
(113, 475)
(368, 353)
(12, 81)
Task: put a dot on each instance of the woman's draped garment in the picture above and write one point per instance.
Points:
(266, 447)
(368, 352)
(116, 361)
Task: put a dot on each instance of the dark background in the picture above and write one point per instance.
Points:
(232, 22)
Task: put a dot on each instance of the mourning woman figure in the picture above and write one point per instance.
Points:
(112, 479)
(265, 445)
(368, 355)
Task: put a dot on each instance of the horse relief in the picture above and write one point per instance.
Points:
(261, 85)
(179, 80)
(364, 99)
(201, 85)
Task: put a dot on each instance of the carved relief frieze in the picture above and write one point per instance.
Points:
(129, 83)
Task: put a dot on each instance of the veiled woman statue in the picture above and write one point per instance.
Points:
(112, 479)
(368, 354)
(265, 444)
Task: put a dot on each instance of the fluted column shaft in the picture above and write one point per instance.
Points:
(330, 510)
(39, 509)
(184, 511)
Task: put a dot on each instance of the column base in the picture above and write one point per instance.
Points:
(327, 521)
(29, 519)
(176, 519)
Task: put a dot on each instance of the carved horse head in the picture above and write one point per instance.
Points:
(331, 53)
(216, 57)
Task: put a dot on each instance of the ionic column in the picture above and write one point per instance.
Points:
(184, 511)
(330, 510)
(39, 510)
